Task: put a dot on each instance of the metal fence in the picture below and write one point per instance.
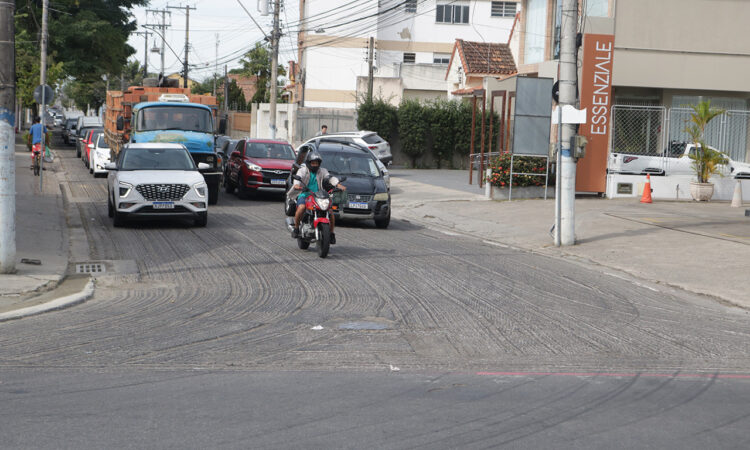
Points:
(309, 121)
(648, 130)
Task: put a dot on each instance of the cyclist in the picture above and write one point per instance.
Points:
(35, 138)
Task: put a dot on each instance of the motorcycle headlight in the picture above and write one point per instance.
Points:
(252, 166)
(200, 189)
(381, 197)
(323, 203)
(125, 189)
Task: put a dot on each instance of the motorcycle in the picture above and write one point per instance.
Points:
(315, 225)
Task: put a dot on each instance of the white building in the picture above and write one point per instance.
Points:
(333, 45)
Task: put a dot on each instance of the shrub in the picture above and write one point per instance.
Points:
(501, 171)
(379, 116)
(412, 129)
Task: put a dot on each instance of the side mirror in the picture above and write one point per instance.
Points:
(235, 154)
(110, 166)
(120, 123)
(203, 166)
(222, 126)
(90, 146)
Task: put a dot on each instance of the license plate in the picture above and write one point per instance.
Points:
(358, 205)
(163, 205)
(278, 181)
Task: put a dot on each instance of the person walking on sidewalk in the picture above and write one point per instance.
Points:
(323, 131)
(35, 137)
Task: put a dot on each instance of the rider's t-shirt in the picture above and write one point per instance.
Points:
(312, 185)
(36, 133)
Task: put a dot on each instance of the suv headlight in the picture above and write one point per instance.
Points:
(252, 166)
(125, 189)
(381, 197)
(200, 189)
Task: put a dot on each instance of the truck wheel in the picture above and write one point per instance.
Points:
(213, 193)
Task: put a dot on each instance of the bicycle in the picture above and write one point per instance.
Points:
(37, 162)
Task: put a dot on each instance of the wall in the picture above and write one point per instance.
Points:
(285, 117)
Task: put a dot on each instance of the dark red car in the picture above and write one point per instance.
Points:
(258, 164)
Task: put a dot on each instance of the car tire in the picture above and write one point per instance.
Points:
(110, 207)
(118, 219)
(302, 244)
(91, 169)
(78, 153)
(241, 189)
(202, 219)
(384, 222)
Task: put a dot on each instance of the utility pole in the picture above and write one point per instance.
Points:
(187, 41)
(145, 51)
(163, 27)
(274, 67)
(216, 63)
(566, 170)
(43, 81)
(226, 91)
(371, 53)
(7, 137)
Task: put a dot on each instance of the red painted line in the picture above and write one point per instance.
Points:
(618, 375)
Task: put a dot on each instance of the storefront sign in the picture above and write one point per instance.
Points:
(596, 95)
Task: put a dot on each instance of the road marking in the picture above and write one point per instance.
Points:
(733, 236)
(619, 375)
(496, 244)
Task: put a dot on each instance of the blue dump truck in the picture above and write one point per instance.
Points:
(169, 115)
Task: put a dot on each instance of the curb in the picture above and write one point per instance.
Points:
(59, 303)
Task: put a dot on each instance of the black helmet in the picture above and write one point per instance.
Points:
(314, 156)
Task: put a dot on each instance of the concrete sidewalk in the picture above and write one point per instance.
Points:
(700, 247)
(42, 240)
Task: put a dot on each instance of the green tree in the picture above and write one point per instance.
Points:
(379, 116)
(412, 129)
(257, 62)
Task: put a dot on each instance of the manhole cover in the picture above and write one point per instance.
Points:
(90, 268)
(363, 326)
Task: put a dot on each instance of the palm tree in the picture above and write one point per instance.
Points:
(706, 161)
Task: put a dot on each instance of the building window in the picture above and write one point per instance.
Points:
(597, 8)
(536, 24)
(503, 9)
(410, 6)
(451, 14)
(410, 58)
(441, 58)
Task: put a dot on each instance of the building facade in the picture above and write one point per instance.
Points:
(413, 42)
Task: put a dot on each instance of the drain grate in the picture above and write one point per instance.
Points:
(90, 268)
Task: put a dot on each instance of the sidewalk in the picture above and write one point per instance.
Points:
(700, 247)
(41, 235)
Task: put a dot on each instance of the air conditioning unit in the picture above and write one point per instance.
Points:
(174, 98)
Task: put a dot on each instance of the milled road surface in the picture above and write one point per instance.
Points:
(427, 339)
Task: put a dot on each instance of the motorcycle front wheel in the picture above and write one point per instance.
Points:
(324, 239)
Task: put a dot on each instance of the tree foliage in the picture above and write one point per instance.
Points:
(379, 116)
(257, 62)
(706, 161)
(412, 129)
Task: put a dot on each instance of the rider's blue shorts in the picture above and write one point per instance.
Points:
(301, 200)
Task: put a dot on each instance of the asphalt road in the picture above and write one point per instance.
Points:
(204, 338)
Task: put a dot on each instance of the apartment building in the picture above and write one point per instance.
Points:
(642, 63)
(413, 43)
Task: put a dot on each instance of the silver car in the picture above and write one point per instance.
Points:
(156, 181)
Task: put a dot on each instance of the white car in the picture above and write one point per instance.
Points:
(156, 181)
(100, 156)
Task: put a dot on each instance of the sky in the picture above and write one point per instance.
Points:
(223, 18)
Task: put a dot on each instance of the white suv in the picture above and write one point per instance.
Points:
(369, 139)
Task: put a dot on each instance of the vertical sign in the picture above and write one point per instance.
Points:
(596, 96)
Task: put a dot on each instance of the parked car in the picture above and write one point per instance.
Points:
(59, 120)
(90, 138)
(85, 122)
(68, 131)
(369, 139)
(82, 135)
(156, 180)
(223, 152)
(349, 139)
(367, 196)
(100, 155)
(258, 164)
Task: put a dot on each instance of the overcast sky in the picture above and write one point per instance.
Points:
(223, 18)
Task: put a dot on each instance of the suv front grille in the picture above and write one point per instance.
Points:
(162, 191)
(359, 198)
(275, 174)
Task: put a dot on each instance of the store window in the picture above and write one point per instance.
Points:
(441, 58)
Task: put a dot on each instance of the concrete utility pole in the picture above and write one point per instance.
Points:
(274, 67)
(145, 51)
(216, 63)
(226, 90)
(42, 82)
(163, 27)
(187, 41)
(370, 57)
(566, 171)
(7, 137)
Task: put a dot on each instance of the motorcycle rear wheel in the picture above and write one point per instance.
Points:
(324, 239)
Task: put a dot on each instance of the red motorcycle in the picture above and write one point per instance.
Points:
(315, 225)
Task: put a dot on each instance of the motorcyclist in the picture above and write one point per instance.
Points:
(313, 176)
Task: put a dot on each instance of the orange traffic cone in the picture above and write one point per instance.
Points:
(646, 197)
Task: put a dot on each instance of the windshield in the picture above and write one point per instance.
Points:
(157, 159)
(269, 150)
(350, 164)
(174, 118)
(102, 143)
